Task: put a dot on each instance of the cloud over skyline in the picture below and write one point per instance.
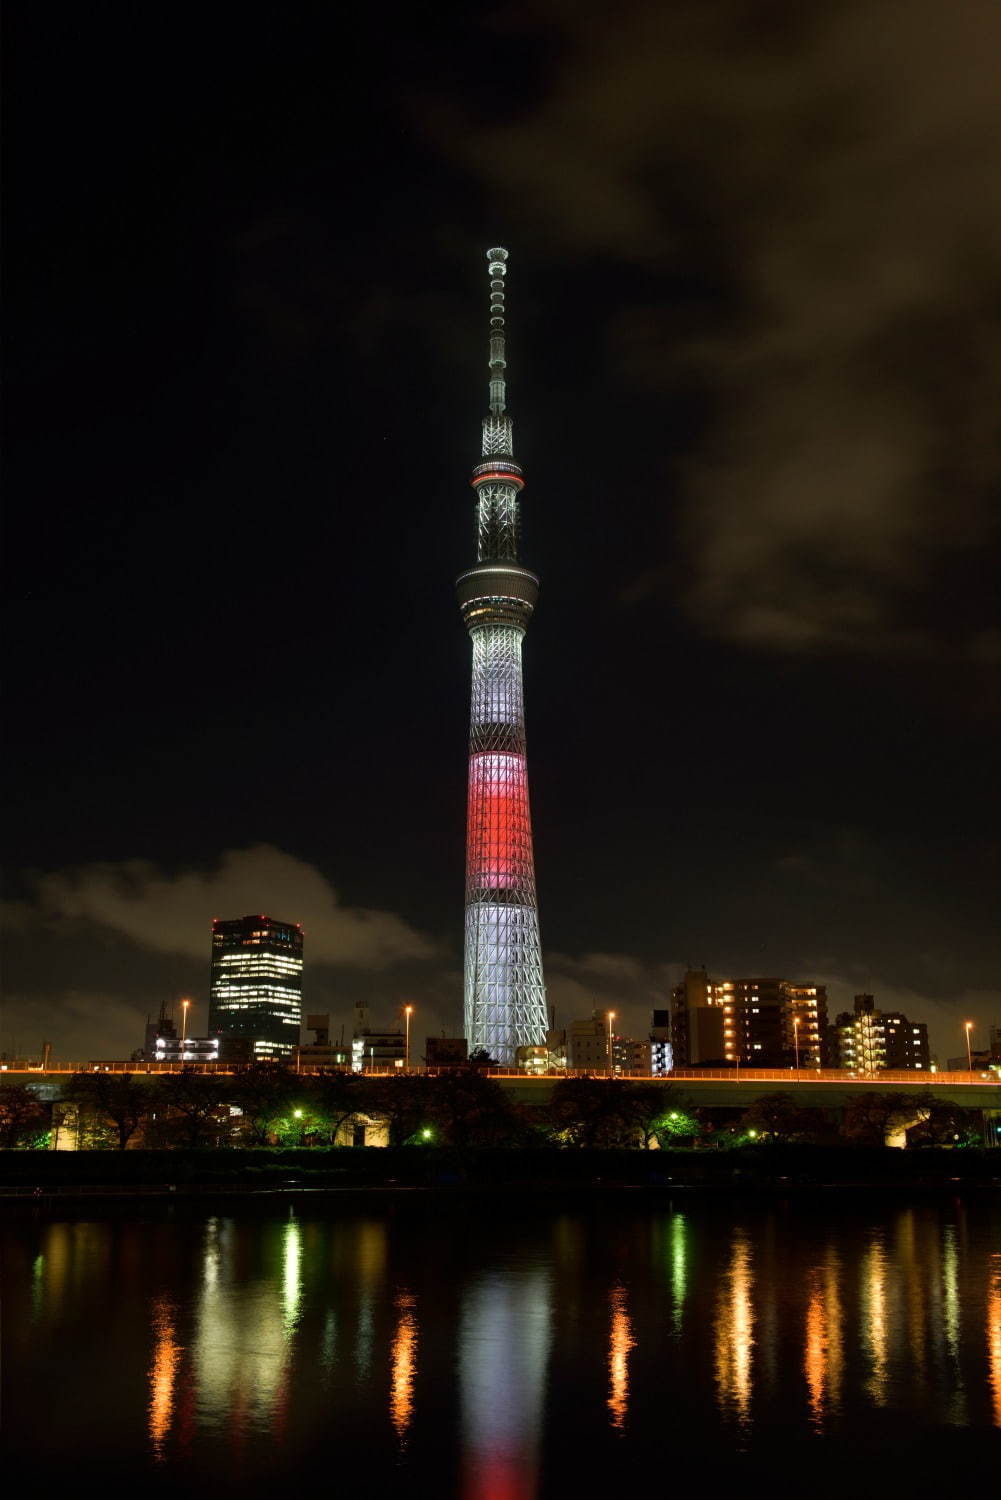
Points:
(173, 913)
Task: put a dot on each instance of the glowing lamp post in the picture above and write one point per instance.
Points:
(611, 1068)
(795, 1038)
(185, 1007)
(968, 1028)
(408, 1011)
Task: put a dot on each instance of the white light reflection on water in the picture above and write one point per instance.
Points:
(292, 1276)
(951, 1322)
(911, 1275)
(874, 1330)
(734, 1329)
(241, 1350)
(950, 1291)
(371, 1265)
(504, 1339)
(328, 1345)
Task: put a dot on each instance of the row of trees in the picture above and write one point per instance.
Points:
(266, 1104)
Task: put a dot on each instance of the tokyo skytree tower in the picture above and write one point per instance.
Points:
(505, 997)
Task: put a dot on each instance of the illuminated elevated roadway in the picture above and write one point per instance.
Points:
(715, 1088)
(813, 1088)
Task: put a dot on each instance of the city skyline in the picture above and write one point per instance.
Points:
(758, 393)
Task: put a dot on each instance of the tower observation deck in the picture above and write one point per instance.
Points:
(505, 998)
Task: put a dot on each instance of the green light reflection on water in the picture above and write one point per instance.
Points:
(37, 1285)
(679, 1269)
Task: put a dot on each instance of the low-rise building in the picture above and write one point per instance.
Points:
(589, 1043)
(321, 1052)
(532, 1059)
(201, 1049)
(631, 1057)
(661, 1050)
(375, 1051)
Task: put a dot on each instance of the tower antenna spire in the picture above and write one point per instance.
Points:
(497, 264)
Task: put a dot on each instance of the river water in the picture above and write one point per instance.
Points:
(498, 1350)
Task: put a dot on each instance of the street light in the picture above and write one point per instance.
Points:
(795, 1038)
(611, 1018)
(968, 1027)
(185, 1007)
(408, 1011)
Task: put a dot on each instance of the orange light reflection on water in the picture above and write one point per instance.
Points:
(994, 1336)
(162, 1375)
(874, 1331)
(735, 1331)
(404, 1365)
(823, 1355)
(620, 1341)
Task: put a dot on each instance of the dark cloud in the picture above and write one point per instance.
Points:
(835, 172)
(170, 913)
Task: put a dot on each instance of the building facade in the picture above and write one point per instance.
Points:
(755, 1023)
(589, 1044)
(374, 1050)
(256, 985)
(194, 1049)
(661, 1050)
(696, 1031)
(505, 998)
(322, 1052)
(631, 1057)
(871, 1040)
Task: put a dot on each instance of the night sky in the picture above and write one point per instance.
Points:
(755, 373)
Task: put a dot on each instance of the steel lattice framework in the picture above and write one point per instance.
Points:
(505, 997)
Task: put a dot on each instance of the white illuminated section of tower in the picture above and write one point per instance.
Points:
(505, 998)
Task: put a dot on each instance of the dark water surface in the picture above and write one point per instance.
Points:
(502, 1351)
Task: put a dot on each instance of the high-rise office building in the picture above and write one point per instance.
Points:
(256, 986)
(871, 1040)
(505, 998)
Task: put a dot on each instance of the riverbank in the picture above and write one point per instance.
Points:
(33, 1174)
